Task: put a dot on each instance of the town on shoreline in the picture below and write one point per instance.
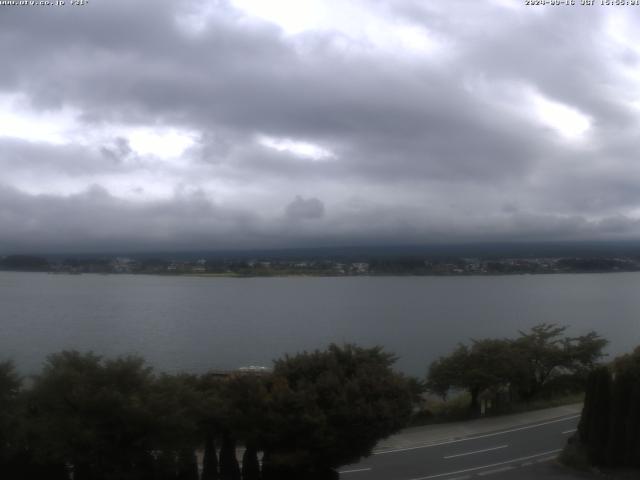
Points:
(266, 266)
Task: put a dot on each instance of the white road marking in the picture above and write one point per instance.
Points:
(488, 466)
(448, 442)
(569, 431)
(496, 470)
(546, 459)
(355, 470)
(476, 451)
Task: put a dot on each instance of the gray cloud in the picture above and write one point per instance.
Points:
(96, 220)
(18, 156)
(118, 151)
(305, 209)
(440, 146)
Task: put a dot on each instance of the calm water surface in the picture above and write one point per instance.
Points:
(193, 324)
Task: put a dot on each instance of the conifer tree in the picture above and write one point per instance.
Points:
(616, 442)
(210, 459)
(632, 450)
(187, 465)
(594, 428)
(250, 464)
(166, 466)
(229, 468)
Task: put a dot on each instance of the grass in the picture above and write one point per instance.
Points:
(456, 408)
(542, 403)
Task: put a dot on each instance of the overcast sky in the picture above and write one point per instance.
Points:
(154, 124)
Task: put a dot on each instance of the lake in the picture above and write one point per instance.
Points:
(194, 324)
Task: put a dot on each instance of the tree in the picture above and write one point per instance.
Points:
(485, 364)
(609, 429)
(526, 365)
(176, 403)
(18, 457)
(629, 364)
(210, 458)
(329, 408)
(187, 408)
(210, 421)
(627, 369)
(94, 415)
(243, 413)
(24, 263)
(594, 422)
(621, 393)
(250, 463)
(229, 467)
(632, 438)
(446, 372)
(544, 352)
(187, 465)
(10, 384)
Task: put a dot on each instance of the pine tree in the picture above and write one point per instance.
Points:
(250, 464)
(166, 466)
(187, 465)
(632, 450)
(594, 426)
(229, 468)
(621, 391)
(210, 460)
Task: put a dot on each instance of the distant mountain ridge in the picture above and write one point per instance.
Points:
(367, 252)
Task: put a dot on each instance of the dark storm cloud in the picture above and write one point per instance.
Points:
(416, 146)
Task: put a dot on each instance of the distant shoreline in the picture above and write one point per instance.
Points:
(323, 267)
(323, 275)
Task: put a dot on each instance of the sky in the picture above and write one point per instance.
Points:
(159, 125)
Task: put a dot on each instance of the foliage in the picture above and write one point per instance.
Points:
(330, 408)
(101, 419)
(24, 263)
(544, 352)
(483, 365)
(94, 414)
(209, 459)
(540, 361)
(178, 406)
(250, 463)
(10, 385)
(594, 423)
(609, 428)
(573, 455)
(447, 372)
(229, 468)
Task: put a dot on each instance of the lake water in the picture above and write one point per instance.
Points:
(194, 324)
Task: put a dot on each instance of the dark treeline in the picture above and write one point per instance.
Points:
(26, 263)
(89, 418)
(542, 362)
(609, 430)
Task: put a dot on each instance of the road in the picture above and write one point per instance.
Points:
(508, 453)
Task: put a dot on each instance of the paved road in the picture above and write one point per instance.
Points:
(503, 454)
